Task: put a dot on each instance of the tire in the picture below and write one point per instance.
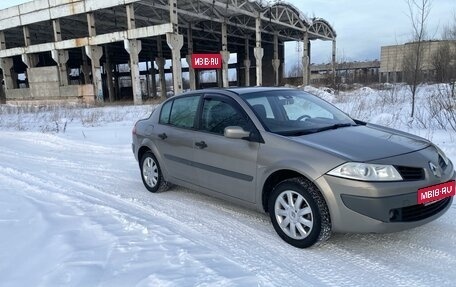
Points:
(301, 225)
(151, 174)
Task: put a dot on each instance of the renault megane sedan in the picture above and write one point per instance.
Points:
(282, 151)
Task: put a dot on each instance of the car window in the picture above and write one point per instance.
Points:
(298, 107)
(262, 107)
(295, 112)
(164, 115)
(183, 111)
(217, 115)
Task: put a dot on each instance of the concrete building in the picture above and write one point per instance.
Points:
(392, 59)
(74, 48)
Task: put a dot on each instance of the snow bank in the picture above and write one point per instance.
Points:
(74, 212)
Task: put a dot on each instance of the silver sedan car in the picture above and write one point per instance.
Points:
(282, 151)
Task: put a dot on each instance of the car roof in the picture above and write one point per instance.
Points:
(240, 90)
(248, 90)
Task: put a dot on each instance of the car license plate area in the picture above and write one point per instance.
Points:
(432, 194)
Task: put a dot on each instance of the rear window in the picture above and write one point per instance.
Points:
(183, 112)
(165, 111)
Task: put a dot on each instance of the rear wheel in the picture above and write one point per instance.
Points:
(151, 174)
(299, 213)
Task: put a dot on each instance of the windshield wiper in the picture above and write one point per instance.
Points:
(333, 127)
(316, 130)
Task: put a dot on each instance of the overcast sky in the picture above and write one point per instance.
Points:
(362, 26)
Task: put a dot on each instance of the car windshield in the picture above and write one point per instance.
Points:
(295, 113)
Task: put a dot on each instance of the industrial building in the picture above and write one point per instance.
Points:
(392, 59)
(78, 49)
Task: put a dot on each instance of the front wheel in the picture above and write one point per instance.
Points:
(299, 213)
(151, 174)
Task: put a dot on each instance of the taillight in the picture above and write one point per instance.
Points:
(134, 130)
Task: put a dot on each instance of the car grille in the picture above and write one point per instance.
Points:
(442, 163)
(410, 173)
(419, 211)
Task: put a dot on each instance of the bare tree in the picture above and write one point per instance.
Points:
(449, 31)
(419, 11)
(441, 62)
(295, 71)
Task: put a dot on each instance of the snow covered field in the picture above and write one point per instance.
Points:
(74, 212)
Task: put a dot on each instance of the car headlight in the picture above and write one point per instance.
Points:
(366, 172)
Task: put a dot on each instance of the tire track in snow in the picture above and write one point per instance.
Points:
(120, 212)
(246, 237)
(237, 242)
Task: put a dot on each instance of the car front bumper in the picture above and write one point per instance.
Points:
(380, 207)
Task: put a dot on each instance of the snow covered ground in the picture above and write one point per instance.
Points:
(74, 212)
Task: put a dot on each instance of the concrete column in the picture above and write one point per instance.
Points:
(108, 69)
(334, 61)
(91, 24)
(131, 22)
(276, 60)
(7, 66)
(2, 91)
(161, 67)
(173, 17)
(191, 71)
(219, 78)
(133, 48)
(258, 51)
(60, 56)
(3, 66)
(147, 79)
(247, 62)
(308, 66)
(175, 43)
(197, 78)
(30, 60)
(95, 53)
(153, 77)
(85, 67)
(225, 56)
(305, 60)
(2, 41)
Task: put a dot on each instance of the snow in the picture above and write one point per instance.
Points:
(74, 212)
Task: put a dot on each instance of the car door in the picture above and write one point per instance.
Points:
(225, 165)
(175, 136)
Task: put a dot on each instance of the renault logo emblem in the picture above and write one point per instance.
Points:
(435, 170)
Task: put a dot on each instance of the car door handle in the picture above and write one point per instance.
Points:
(163, 136)
(201, 144)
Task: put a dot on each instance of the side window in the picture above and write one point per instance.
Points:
(217, 115)
(165, 110)
(183, 111)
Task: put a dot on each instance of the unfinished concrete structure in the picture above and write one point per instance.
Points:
(392, 59)
(74, 48)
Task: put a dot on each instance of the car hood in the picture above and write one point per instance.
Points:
(364, 142)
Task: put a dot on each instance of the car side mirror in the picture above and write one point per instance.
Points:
(235, 132)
